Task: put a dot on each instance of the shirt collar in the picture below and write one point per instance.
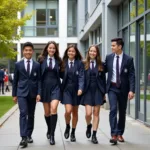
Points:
(119, 55)
(48, 57)
(70, 61)
(28, 59)
(93, 61)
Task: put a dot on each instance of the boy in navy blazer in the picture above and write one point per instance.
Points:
(120, 87)
(26, 91)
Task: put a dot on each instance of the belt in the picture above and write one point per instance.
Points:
(115, 84)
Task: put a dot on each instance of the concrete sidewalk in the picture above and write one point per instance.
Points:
(137, 136)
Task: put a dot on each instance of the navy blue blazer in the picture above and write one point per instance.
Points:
(78, 75)
(100, 79)
(43, 66)
(2, 75)
(23, 83)
(127, 75)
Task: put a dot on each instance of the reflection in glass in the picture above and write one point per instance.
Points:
(52, 16)
(132, 9)
(132, 45)
(72, 18)
(148, 67)
(140, 6)
(125, 12)
(148, 4)
(126, 41)
(141, 60)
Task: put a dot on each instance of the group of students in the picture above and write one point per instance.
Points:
(83, 83)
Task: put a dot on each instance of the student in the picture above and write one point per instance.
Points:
(51, 93)
(26, 91)
(72, 87)
(95, 88)
(120, 87)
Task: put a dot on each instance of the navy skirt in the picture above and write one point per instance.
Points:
(93, 96)
(50, 87)
(70, 95)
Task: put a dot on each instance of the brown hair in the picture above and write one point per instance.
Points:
(44, 53)
(98, 59)
(65, 57)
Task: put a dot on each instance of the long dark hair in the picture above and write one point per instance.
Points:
(98, 59)
(78, 55)
(44, 53)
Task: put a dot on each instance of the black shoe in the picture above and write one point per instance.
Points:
(52, 140)
(113, 140)
(48, 135)
(24, 143)
(67, 132)
(72, 138)
(88, 131)
(29, 139)
(94, 140)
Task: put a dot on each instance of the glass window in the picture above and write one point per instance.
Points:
(140, 8)
(125, 12)
(148, 67)
(52, 16)
(132, 44)
(40, 17)
(148, 4)
(72, 18)
(86, 11)
(120, 16)
(126, 41)
(132, 9)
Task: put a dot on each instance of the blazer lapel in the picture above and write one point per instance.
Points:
(23, 66)
(123, 62)
(33, 67)
(44, 65)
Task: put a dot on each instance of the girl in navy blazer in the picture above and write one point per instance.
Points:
(72, 87)
(50, 79)
(94, 91)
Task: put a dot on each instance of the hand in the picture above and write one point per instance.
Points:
(130, 95)
(15, 99)
(104, 97)
(79, 92)
(38, 98)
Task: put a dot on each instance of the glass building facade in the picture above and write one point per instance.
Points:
(134, 27)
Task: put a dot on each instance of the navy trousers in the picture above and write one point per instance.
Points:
(2, 87)
(116, 98)
(27, 109)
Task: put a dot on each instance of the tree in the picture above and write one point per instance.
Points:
(9, 23)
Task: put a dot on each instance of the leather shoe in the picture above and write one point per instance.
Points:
(67, 132)
(113, 140)
(120, 138)
(24, 143)
(52, 140)
(48, 135)
(88, 131)
(94, 140)
(72, 138)
(29, 139)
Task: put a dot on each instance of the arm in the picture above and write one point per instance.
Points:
(132, 76)
(39, 80)
(81, 77)
(15, 82)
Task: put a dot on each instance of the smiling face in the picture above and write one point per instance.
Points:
(27, 52)
(71, 53)
(92, 53)
(51, 50)
(116, 48)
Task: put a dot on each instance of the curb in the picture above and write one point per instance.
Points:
(8, 114)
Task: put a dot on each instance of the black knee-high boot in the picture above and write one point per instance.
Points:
(53, 127)
(48, 120)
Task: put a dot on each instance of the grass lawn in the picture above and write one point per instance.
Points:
(147, 97)
(6, 103)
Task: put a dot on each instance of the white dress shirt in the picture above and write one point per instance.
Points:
(69, 64)
(91, 63)
(114, 66)
(26, 63)
(53, 61)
